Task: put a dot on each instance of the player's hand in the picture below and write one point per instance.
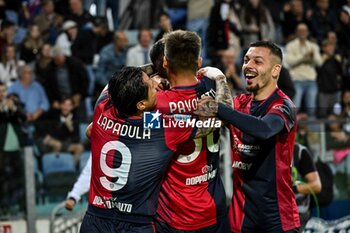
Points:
(70, 203)
(211, 72)
(207, 107)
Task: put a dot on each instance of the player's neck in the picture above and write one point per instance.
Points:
(264, 93)
(182, 79)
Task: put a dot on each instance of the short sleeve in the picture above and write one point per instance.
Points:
(306, 164)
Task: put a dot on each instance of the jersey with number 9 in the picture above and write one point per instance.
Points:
(128, 162)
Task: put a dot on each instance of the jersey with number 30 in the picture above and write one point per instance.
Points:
(192, 195)
(128, 162)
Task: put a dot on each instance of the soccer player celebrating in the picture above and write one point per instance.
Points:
(192, 197)
(128, 159)
(262, 126)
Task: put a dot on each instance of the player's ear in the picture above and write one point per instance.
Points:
(165, 62)
(141, 105)
(276, 71)
(200, 62)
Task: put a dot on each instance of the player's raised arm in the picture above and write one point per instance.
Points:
(207, 107)
(223, 93)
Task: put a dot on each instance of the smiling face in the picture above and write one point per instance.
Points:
(260, 69)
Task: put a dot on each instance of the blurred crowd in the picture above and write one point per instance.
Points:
(57, 55)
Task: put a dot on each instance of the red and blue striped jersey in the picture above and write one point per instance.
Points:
(192, 194)
(263, 199)
(128, 163)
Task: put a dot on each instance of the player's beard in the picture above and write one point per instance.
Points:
(257, 87)
(253, 88)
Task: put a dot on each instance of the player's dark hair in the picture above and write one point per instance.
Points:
(157, 52)
(274, 49)
(182, 49)
(126, 89)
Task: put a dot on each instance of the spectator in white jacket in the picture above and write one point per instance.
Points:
(9, 65)
(139, 54)
(67, 36)
(302, 57)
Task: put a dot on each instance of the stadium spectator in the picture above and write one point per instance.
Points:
(198, 13)
(101, 9)
(141, 14)
(2, 10)
(48, 21)
(345, 113)
(31, 93)
(275, 8)
(12, 117)
(302, 58)
(67, 36)
(262, 125)
(30, 9)
(66, 77)
(322, 20)
(112, 58)
(9, 65)
(294, 14)
(139, 54)
(257, 23)
(84, 47)
(164, 25)
(223, 16)
(105, 36)
(59, 132)
(78, 14)
(343, 34)
(343, 31)
(101, 6)
(329, 79)
(7, 34)
(232, 71)
(337, 138)
(31, 45)
(42, 62)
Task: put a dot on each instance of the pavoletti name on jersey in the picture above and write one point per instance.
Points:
(109, 203)
(202, 178)
(241, 165)
(123, 129)
(188, 105)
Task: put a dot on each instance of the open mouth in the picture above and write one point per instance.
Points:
(250, 74)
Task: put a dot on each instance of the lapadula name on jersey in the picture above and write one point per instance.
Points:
(131, 131)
